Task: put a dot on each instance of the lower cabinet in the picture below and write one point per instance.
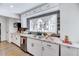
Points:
(34, 47)
(49, 49)
(40, 48)
(16, 39)
(77, 52)
(68, 51)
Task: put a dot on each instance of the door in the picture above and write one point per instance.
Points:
(77, 52)
(0, 32)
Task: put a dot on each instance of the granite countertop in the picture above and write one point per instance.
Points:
(51, 40)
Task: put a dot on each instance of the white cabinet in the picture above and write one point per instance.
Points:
(49, 49)
(34, 46)
(68, 51)
(30, 44)
(37, 48)
(41, 48)
(77, 52)
(16, 39)
(23, 21)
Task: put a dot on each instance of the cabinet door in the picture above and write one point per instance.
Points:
(37, 50)
(30, 45)
(17, 40)
(34, 46)
(77, 52)
(50, 49)
(68, 51)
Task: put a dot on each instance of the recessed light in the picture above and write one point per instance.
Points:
(11, 6)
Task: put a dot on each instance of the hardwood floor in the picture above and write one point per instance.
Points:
(8, 49)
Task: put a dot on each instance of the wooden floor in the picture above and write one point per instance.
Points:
(8, 49)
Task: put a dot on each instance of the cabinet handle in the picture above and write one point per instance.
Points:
(48, 45)
(68, 47)
(16, 38)
(32, 45)
(42, 48)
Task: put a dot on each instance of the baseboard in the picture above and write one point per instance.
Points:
(4, 41)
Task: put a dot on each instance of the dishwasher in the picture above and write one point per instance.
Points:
(23, 43)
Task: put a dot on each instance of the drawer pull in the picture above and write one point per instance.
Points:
(49, 45)
(68, 47)
(42, 48)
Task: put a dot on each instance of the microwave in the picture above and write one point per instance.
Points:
(17, 25)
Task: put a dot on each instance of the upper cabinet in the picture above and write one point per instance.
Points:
(23, 21)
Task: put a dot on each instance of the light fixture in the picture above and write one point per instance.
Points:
(11, 6)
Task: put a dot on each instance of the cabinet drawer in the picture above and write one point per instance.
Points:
(50, 49)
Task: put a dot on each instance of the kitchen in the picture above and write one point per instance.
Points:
(47, 29)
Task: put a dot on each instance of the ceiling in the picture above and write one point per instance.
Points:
(12, 9)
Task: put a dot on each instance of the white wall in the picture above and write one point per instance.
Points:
(69, 17)
(7, 27)
(3, 28)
